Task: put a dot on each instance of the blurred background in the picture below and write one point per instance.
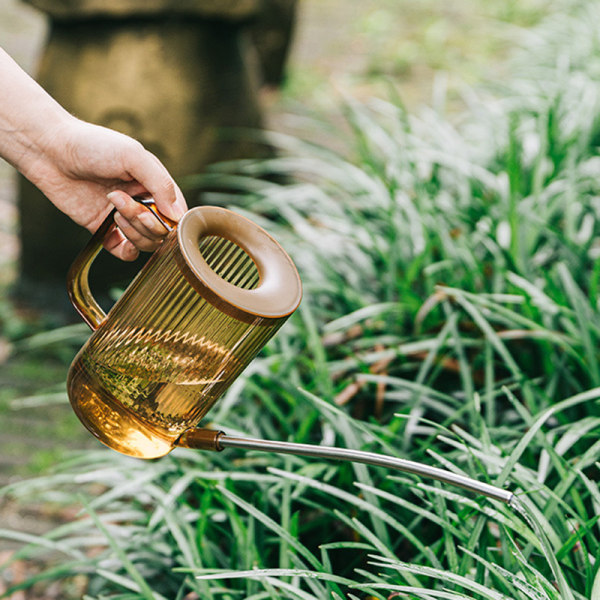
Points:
(180, 84)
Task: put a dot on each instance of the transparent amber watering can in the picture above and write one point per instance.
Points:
(212, 295)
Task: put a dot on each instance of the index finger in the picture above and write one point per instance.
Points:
(147, 170)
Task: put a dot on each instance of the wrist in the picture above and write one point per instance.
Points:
(29, 117)
(35, 145)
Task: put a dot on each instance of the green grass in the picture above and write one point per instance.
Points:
(39, 427)
(450, 316)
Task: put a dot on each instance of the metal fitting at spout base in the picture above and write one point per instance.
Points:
(201, 439)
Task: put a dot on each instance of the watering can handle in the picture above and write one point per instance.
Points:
(78, 286)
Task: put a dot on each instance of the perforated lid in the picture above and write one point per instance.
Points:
(279, 290)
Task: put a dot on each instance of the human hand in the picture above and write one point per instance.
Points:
(85, 170)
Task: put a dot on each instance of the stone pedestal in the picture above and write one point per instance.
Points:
(173, 74)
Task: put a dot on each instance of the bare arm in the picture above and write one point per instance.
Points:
(82, 168)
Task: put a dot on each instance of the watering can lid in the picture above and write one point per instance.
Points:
(279, 289)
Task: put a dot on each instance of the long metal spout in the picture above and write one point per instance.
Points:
(217, 440)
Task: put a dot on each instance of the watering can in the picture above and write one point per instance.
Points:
(201, 308)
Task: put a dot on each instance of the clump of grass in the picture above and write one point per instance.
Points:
(451, 317)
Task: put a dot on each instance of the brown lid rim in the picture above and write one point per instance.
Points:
(279, 290)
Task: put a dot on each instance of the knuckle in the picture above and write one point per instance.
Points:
(166, 187)
(147, 245)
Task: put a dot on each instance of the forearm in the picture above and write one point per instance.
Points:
(28, 117)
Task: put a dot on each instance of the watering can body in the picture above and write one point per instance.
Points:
(217, 289)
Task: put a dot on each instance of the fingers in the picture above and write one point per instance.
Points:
(118, 245)
(145, 168)
(136, 222)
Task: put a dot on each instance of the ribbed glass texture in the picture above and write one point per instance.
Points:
(164, 354)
